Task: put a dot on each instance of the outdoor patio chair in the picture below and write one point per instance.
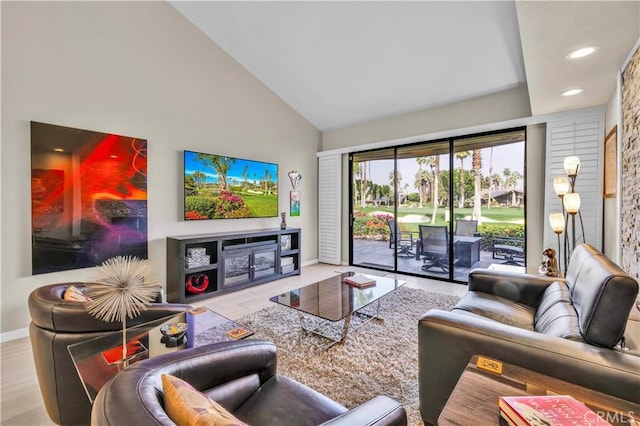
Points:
(404, 242)
(433, 247)
(510, 249)
(467, 228)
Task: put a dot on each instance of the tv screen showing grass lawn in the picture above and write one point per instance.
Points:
(219, 187)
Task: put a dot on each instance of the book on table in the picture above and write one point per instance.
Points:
(135, 349)
(547, 410)
(360, 281)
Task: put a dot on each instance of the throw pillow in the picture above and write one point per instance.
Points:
(188, 407)
(72, 293)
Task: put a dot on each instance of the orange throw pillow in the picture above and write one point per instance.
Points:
(72, 293)
(188, 407)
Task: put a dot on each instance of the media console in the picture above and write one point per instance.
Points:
(207, 265)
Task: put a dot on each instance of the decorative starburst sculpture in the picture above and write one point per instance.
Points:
(124, 287)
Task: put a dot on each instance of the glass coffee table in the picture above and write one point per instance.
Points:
(98, 360)
(322, 304)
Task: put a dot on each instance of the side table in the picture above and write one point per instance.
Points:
(98, 360)
(474, 399)
(467, 249)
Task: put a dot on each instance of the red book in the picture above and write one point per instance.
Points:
(547, 410)
(135, 348)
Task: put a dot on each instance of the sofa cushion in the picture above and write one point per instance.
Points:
(188, 407)
(303, 406)
(497, 308)
(555, 315)
(580, 255)
(602, 295)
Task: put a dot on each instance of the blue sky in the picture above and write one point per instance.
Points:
(505, 156)
(256, 169)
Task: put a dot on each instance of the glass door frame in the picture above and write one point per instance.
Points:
(450, 205)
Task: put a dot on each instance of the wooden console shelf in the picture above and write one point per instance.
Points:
(207, 265)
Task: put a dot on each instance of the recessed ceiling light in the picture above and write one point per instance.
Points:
(571, 92)
(58, 149)
(582, 52)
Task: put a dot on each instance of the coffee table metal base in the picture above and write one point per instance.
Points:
(315, 327)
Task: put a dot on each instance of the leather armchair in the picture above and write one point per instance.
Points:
(241, 376)
(56, 324)
(570, 329)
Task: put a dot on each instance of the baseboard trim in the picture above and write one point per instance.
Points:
(14, 335)
(310, 262)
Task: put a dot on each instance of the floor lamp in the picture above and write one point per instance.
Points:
(564, 187)
(557, 224)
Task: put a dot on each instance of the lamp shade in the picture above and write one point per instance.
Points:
(572, 202)
(572, 165)
(557, 222)
(561, 185)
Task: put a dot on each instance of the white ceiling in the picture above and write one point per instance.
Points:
(344, 63)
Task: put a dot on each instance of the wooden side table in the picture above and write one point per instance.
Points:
(474, 399)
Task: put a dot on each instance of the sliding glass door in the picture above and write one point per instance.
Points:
(423, 213)
(488, 203)
(373, 184)
(439, 209)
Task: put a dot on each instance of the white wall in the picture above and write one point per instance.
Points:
(137, 69)
(502, 106)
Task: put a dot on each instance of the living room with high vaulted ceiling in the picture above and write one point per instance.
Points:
(305, 182)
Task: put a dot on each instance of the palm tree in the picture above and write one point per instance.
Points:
(395, 177)
(356, 182)
(515, 176)
(496, 181)
(461, 155)
(490, 182)
(434, 163)
(511, 180)
(363, 184)
(219, 164)
(421, 179)
(431, 163)
(267, 178)
(477, 186)
(374, 191)
(199, 179)
(507, 176)
(245, 174)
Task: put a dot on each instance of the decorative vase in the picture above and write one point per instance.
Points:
(283, 224)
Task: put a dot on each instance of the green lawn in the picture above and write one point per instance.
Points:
(495, 215)
(261, 205)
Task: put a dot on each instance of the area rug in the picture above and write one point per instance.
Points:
(381, 358)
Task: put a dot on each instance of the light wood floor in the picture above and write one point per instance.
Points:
(20, 399)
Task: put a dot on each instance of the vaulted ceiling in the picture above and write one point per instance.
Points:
(345, 63)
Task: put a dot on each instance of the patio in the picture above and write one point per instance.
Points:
(377, 254)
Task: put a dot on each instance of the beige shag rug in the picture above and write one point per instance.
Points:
(381, 358)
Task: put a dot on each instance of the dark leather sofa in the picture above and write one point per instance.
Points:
(56, 324)
(569, 328)
(239, 375)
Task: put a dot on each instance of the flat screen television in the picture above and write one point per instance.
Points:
(220, 187)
